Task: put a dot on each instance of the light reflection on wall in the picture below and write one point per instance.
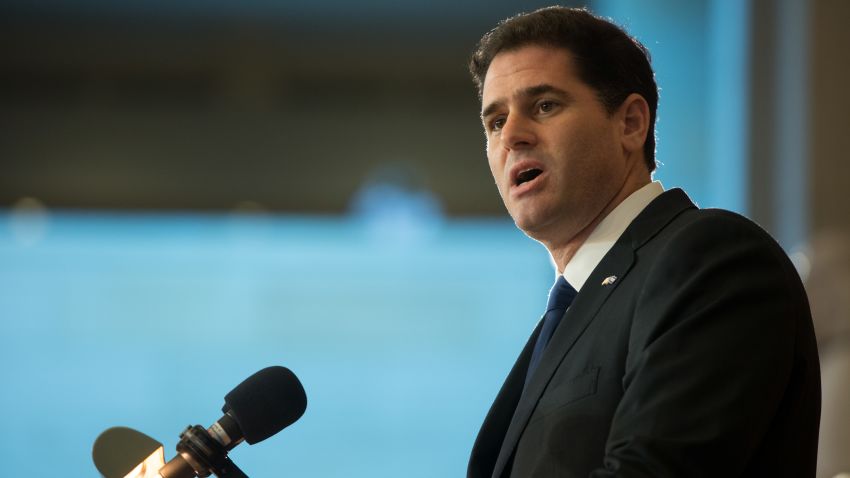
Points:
(699, 55)
(147, 320)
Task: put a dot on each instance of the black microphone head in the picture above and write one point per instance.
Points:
(266, 403)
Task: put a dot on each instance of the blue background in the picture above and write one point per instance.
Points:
(401, 341)
(401, 323)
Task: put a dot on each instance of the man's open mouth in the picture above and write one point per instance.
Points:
(527, 175)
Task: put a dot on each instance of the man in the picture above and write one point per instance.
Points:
(688, 350)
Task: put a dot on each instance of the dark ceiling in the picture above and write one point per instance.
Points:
(205, 106)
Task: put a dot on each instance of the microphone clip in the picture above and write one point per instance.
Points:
(203, 455)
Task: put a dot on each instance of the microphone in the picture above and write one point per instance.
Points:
(259, 407)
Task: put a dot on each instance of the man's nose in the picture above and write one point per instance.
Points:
(518, 133)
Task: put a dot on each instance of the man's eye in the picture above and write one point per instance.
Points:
(546, 106)
(497, 124)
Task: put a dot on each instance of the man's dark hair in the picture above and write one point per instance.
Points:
(605, 56)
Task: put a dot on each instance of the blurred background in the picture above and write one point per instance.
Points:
(192, 191)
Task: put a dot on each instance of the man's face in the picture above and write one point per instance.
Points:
(553, 149)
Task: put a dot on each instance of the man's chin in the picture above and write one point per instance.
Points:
(531, 226)
(547, 229)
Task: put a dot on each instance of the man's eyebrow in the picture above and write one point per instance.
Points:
(491, 108)
(538, 90)
(528, 92)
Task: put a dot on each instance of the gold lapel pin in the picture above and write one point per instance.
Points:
(609, 280)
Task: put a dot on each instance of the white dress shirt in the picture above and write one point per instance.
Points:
(602, 239)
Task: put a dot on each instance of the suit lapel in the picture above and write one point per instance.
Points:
(617, 262)
(490, 437)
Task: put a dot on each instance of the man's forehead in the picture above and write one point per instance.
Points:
(532, 64)
(517, 71)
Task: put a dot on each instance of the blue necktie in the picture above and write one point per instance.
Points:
(560, 297)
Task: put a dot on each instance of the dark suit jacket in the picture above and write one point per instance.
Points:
(699, 360)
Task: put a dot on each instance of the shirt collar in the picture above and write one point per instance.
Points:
(602, 239)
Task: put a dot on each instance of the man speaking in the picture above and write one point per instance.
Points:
(677, 342)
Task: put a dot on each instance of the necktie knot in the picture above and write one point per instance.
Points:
(561, 295)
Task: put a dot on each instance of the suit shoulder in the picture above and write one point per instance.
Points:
(719, 225)
(722, 240)
(672, 215)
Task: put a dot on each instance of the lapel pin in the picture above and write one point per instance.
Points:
(609, 280)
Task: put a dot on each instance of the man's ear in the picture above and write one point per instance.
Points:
(635, 117)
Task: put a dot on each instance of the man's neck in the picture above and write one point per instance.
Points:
(563, 253)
